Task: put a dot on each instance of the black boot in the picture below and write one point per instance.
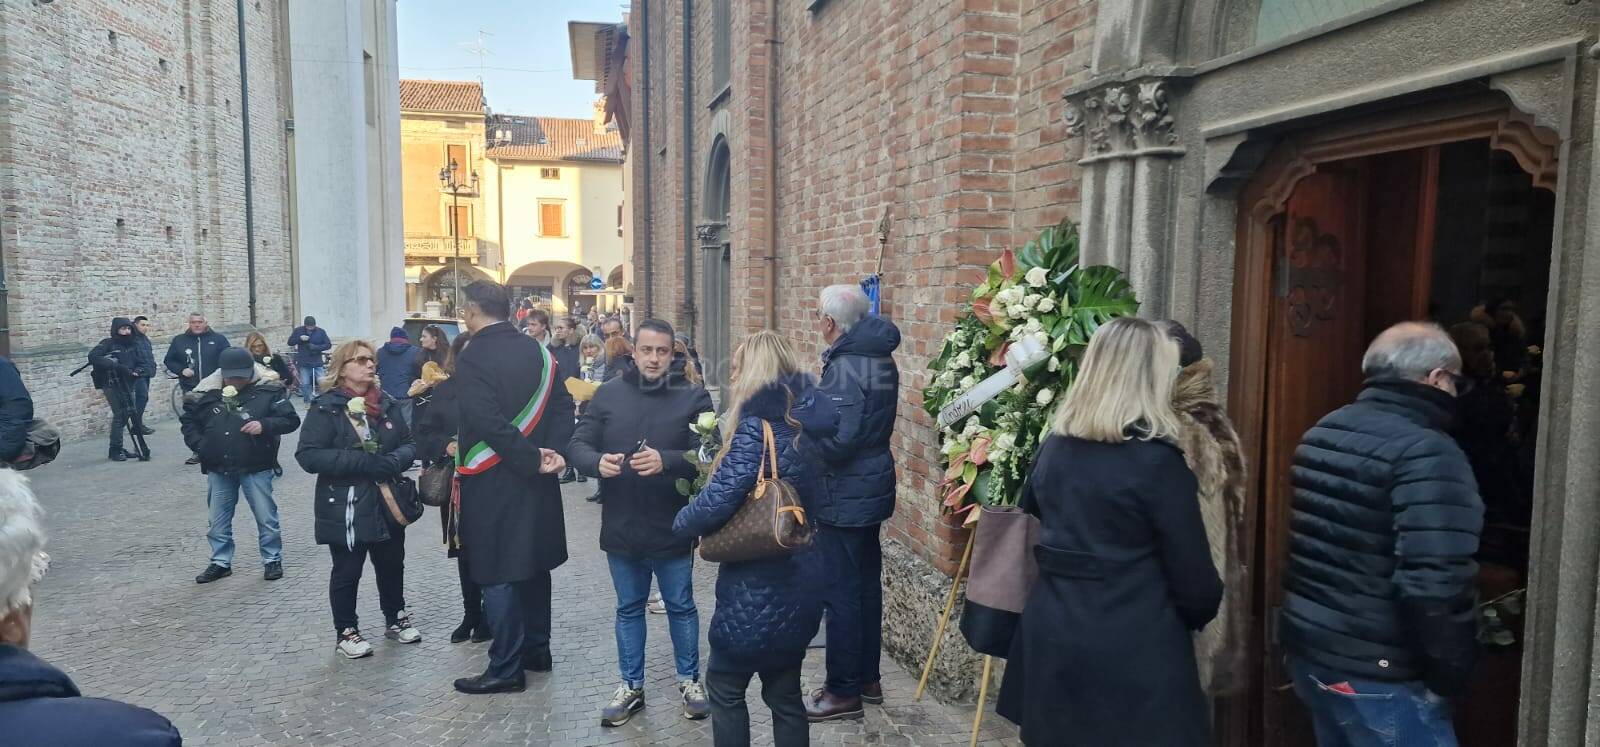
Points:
(117, 454)
(570, 475)
(464, 630)
(481, 633)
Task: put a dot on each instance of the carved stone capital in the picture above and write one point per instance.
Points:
(1122, 117)
(711, 235)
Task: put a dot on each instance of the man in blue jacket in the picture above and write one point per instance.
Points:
(193, 354)
(16, 412)
(860, 377)
(395, 361)
(309, 343)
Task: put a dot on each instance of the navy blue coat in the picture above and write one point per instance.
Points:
(309, 353)
(395, 361)
(146, 365)
(860, 377)
(40, 705)
(767, 610)
(16, 411)
(200, 352)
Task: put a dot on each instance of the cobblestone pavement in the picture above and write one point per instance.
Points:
(245, 661)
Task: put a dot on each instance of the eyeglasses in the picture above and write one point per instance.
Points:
(363, 359)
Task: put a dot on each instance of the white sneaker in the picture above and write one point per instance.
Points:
(657, 607)
(352, 645)
(402, 631)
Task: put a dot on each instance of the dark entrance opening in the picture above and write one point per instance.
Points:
(1457, 232)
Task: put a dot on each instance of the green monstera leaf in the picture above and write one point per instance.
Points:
(1097, 295)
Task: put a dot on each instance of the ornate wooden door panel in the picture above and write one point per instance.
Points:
(1316, 332)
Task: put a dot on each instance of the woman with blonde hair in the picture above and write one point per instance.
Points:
(257, 345)
(768, 609)
(1104, 652)
(356, 441)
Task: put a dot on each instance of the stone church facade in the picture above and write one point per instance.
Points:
(1283, 177)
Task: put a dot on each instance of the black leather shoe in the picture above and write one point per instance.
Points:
(538, 661)
(594, 498)
(193, 460)
(462, 631)
(570, 475)
(147, 431)
(212, 573)
(117, 455)
(482, 633)
(273, 572)
(483, 684)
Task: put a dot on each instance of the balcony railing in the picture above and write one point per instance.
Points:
(439, 248)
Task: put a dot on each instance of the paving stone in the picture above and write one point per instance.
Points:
(244, 661)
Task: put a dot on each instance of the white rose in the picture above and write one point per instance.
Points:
(356, 406)
(1030, 301)
(1042, 338)
(1047, 305)
(997, 454)
(1054, 365)
(1044, 397)
(1037, 277)
(1005, 440)
(1018, 311)
(947, 379)
(964, 360)
(972, 428)
(266, 360)
(230, 392)
(967, 382)
(1034, 325)
(706, 421)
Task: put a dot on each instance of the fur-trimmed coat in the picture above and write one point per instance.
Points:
(1211, 447)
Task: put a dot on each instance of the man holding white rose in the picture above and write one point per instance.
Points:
(232, 420)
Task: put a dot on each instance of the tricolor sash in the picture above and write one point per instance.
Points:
(480, 457)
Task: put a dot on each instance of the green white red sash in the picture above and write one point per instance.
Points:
(480, 457)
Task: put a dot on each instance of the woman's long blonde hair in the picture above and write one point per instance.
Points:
(763, 358)
(1125, 385)
(342, 355)
(250, 341)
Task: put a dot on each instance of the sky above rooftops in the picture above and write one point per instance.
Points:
(528, 68)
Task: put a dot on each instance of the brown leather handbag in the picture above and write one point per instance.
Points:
(771, 523)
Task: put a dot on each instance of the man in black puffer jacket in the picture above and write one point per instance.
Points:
(116, 366)
(233, 420)
(1386, 518)
(860, 378)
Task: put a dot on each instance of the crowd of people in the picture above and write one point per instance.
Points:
(1138, 489)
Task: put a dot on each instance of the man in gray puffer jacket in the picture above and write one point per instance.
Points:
(859, 376)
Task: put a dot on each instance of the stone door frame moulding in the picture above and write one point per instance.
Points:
(1260, 160)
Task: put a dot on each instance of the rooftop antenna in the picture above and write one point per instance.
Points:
(481, 50)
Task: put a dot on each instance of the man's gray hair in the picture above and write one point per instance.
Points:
(1410, 351)
(845, 305)
(22, 560)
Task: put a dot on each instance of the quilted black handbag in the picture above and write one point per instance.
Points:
(771, 523)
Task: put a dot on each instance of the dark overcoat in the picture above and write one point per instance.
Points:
(1103, 654)
(511, 521)
(349, 508)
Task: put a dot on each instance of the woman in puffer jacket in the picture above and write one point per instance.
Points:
(768, 609)
(351, 514)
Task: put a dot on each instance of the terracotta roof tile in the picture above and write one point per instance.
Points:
(465, 97)
(551, 139)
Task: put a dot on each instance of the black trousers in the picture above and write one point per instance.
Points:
(471, 593)
(388, 561)
(854, 603)
(730, 717)
(519, 617)
(119, 414)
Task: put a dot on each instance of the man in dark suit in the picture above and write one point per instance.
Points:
(512, 411)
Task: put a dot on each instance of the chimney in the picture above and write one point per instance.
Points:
(600, 116)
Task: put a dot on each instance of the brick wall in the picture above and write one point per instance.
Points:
(122, 180)
(946, 114)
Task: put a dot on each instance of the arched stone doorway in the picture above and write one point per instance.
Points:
(716, 261)
(440, 285)
(550, 286)
(1345, 229)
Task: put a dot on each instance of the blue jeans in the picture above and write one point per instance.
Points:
(1378, 714)
(675, 577)
(854, 603)
(309, 376)
(224, 497)
(141, 398)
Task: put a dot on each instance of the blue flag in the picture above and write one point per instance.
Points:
(870, 285)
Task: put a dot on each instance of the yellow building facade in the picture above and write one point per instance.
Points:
(553, 203)
(442, 123)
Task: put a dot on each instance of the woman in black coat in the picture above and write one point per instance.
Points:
(1104, 654)
(767, 610)
(351, 515)
(257, 345)
(437, 417)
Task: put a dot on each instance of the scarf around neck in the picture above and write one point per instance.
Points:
(373, 397)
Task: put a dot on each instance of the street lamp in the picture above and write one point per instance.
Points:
(447, 181)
